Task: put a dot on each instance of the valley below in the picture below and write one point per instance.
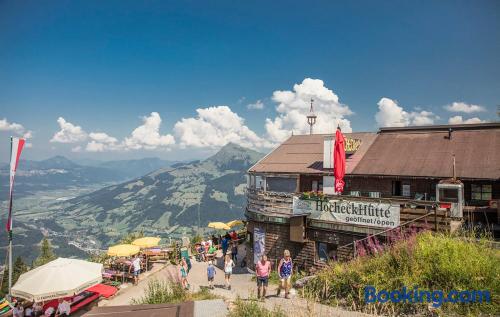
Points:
(168, 202)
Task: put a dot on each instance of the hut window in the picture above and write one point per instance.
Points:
(480, 192)
(281, 184)
(326, 251)
(374, 194)
(259, 182)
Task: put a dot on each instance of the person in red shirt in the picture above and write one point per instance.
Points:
(262, 272)
(234, 235)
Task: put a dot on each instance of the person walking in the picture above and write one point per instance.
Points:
(225, 245)
(285, 269)
(234, 252)
(228, 270)
(184, 273)
(262, 272)
(211, 274)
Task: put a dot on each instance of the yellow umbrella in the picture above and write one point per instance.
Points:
(235, 223)
(146, 242)
(218, 226)
(123, 250)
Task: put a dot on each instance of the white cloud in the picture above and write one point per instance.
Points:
(215, 127)
(293, 107)
(460, 120)
(258, 105)
(390, 114)
(101, 142)
(102, 137)
(68, 133)
(76, 149)
(464, 107)
(147, 136)
(15, 127)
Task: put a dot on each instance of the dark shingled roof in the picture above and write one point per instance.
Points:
(422, 151)
(303, 154)
(427, 152)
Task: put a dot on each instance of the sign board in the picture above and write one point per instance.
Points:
(259, 244)
(351, 145)
(367, 213)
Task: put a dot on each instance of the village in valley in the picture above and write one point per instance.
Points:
(330, 209)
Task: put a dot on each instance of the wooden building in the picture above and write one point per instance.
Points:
(399, 168)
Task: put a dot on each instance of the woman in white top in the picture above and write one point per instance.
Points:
(228, 270)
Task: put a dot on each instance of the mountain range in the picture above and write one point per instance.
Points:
(184, 195)
(59, 172)
(166, 202)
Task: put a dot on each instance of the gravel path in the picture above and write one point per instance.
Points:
(241, 286)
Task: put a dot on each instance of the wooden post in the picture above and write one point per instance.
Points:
(435, 219)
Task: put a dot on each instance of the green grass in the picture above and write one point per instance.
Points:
(429, 261)
(163, 292)
(251, 308)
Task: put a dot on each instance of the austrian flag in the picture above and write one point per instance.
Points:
(17, 145)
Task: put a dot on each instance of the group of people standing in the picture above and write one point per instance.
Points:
(228, 243)
(263, 272)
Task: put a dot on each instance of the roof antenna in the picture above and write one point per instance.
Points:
(311, 118)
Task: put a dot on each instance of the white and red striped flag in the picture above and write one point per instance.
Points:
(16, 148)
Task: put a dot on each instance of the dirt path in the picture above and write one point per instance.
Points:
(241, 286)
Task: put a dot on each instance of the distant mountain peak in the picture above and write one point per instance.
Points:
(58, 161)
(231, 154)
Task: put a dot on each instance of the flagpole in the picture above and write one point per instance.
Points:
(10, 232)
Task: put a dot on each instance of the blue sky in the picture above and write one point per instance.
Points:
(107, 66)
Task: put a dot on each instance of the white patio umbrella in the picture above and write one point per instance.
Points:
(59, 278)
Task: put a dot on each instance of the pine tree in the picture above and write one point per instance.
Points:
(46, 253)
(19, 268)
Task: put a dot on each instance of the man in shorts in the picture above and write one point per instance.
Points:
(136, 266)
(262, 272)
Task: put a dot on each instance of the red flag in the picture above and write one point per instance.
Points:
(339, 161)
(17, 145)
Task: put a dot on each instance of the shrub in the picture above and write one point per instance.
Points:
(250, 308)
(429, 261)
(169, 292)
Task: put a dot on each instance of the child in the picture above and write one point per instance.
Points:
(228, 270)
(211, 274)
(184, 272)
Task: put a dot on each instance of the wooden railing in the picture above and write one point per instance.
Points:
(269, 202)
(411, 210)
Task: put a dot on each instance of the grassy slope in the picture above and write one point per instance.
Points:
(429, 261)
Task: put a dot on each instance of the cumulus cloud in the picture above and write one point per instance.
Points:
(258, 105)
(293, 107)
(390, 114)
(15, 128)
(68, 133)
(147, 136)
(464, 107)
(215, 127)
(460, 120)
(101, 142)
